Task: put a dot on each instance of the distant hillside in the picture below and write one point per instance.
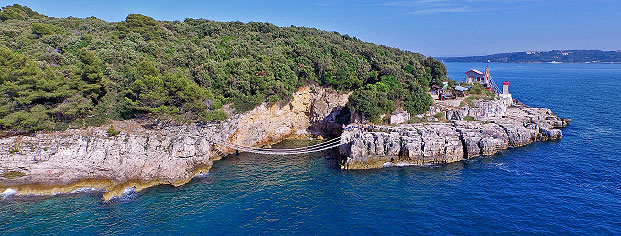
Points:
(565, 56)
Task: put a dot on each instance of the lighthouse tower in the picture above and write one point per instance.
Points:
(487, 76)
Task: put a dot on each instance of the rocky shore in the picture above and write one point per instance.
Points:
(147, 153)
(494, 125)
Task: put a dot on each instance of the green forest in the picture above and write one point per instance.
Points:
(59, 73)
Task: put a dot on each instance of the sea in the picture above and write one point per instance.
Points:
(567, 187)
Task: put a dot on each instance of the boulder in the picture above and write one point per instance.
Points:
(400, 117)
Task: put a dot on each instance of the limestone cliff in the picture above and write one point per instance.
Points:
(501, 124)
(146, 153)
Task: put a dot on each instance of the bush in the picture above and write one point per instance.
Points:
(478, 89)
(113, 132)
(246, 103)
(216, 115)
(468, 118)
(418, 102)
(14, 150)
(17, 12)
(375, 100)
(40, 29)
(372, 101)
(438, 115)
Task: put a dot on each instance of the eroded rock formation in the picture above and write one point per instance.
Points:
(147, 153)
(501, 125)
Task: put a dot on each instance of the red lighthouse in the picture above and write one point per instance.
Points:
(505, 87)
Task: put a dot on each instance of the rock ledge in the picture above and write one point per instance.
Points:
(500, 125)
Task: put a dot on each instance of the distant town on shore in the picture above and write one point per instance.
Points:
(554, 56)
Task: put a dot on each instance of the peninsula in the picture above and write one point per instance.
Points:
(123, 106)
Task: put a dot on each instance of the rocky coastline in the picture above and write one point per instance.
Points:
(493, 126)
(147, 152)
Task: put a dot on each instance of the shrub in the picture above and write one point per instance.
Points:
(418, 101)
(113, 132)
(246, 103)
(13, 150)
(478, 89)
(470, 99)
(416, 120)
(468, 118)
(17, 12)
(377, 99)
(213, 115)
(41, 29)
(371, 101)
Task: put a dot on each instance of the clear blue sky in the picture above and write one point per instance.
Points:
(433, 27)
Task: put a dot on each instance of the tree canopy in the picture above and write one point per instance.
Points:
(57, 73)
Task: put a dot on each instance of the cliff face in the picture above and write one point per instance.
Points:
(145, 154)
(500, 125)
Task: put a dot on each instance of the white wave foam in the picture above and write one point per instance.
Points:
(8, 192)
(129, 190)
(201, 175)
(128, 194)
(387, 164)
(402, 164)
(86, 190)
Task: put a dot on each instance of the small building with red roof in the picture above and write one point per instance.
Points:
(475, 75)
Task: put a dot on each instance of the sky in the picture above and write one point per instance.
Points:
(433, 27)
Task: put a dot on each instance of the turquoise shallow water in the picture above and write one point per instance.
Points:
(566, 187)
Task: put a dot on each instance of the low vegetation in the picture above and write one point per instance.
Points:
(438, 115)
(13, 174)
(468, 118)
(478, 89)
(14, 150)
(475, 93)
(58, 73)
(112, 132)
(383, 97)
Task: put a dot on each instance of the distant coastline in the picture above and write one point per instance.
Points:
(554, 56)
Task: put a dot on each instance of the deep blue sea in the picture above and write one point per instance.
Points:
(566, 187)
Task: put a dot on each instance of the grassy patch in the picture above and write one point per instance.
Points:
(416, 120)
(469, 118)
(214, 115)
(438, 115)
(472, 98)
(113, 132)
(14, 150)
(13, 174)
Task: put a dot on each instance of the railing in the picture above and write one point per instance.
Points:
(494, 86)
